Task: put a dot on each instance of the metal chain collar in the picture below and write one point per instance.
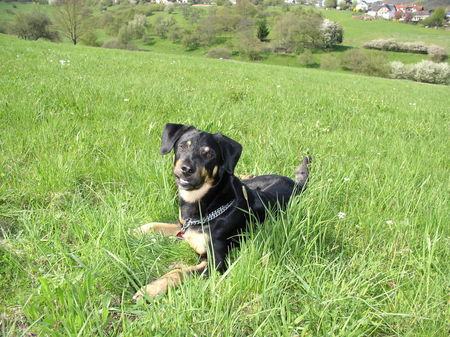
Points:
(211, 216)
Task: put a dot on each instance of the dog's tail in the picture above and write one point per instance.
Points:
(302, 173)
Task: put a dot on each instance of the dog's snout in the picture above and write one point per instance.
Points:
(187, 169)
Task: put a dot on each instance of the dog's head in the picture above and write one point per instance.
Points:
(200, 157)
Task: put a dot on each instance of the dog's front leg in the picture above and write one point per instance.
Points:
(171, 279)
(167, 229)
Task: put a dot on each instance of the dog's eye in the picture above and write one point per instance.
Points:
(208, 154)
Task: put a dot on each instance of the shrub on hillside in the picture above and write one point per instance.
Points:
(332, 33)
(329, 62)
(33, 26)
(137, 26)
(307, 58)
(425, 71)
(392, 45)
(430, 72)
(219, 53)
(90, 39)
(248, 45)
(190, 41)
(436, 53)
(117, 44)
(4, 28)
(162, 26)
(370, 64)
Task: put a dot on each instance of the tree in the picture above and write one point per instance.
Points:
(32, 26)
(437, 19)
(398, 15)
(408, 17)
(70, 17)
(294, 33)
(263, 30)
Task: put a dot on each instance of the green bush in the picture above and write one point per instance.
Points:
(117, 44)
(436, 53)
(307, 59)
(33, 26)
(191, 41)
(329, 62)
(219, 53)
(90, 39)
(370, 64)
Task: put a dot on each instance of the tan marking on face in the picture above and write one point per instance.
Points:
(216, 168)
(197, 240)
(177, 166)
(194, 195)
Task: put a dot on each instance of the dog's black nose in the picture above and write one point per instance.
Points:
(186, 169)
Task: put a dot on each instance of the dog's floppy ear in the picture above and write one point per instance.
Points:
(171, 133)
(231, 151)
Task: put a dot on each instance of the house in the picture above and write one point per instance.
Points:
(385, 11)
(408, 8)
(420, 15)
(362, 6)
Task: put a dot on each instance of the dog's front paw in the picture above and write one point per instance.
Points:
(159, 286)
(144, 229)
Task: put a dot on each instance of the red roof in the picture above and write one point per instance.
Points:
(416, 7)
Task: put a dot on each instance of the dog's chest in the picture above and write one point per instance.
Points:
(198, 240)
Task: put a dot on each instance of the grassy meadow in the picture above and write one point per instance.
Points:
(80, 167)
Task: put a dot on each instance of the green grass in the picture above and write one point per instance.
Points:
(356, 32)
(79, 168)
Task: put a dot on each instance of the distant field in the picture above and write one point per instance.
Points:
(356, 32)
(80, 167)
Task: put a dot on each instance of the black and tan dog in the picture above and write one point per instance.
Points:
(215, 206)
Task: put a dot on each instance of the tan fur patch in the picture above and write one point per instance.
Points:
(158, 227)
(197, 240)
(194, 195)
(171, 279)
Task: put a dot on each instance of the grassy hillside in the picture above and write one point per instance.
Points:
(356, 32)
(79, 168)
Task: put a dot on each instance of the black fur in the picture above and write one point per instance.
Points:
(261, 193)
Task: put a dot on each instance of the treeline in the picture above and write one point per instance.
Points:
(250, 29)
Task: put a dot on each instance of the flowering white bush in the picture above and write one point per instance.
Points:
(392, 45)
(332, 33)
(425, 71)
(399, 70)
(437, 53)
(430, 72)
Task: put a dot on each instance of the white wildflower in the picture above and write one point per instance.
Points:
(278, 85)
(389, 222)
(126, 99)
(341, 215)
(330, 180)
(346, 179)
